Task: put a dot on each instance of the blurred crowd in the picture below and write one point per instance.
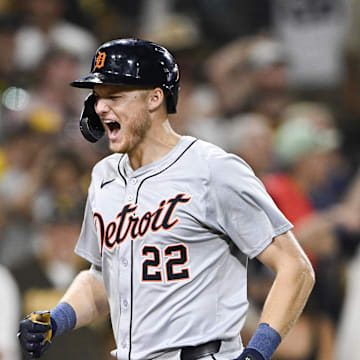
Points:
(276, 82)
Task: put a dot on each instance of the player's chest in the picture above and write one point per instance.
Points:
(140, 210)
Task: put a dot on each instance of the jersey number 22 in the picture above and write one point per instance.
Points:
(174, 257)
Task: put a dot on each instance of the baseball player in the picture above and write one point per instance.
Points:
(169, 225)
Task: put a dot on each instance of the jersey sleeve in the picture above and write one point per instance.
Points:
(240, 207)
(88, 245)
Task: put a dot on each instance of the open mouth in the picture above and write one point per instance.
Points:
(113, 127)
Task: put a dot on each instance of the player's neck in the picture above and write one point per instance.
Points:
(157, 143)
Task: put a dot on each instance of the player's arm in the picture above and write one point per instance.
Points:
(87, 296)
(292, 285)
(84, 301)
(294, 279)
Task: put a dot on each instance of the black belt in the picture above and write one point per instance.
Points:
(197, 352)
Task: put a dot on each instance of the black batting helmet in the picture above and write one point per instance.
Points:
(128, 62)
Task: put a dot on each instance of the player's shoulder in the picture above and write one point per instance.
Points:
(207, 150)
(219, 159)
(212, 153)
(107, 166)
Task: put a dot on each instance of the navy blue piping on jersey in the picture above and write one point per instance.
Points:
(123, 177)
(132, 248)
(161, 171)
(131, 297)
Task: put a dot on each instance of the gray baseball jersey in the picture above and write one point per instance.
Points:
(172, 239)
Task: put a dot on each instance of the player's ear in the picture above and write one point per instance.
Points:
(155, 99)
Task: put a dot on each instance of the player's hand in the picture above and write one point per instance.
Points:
(35, 333)
(250, 354)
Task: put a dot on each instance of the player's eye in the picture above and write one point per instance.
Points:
(115, 97)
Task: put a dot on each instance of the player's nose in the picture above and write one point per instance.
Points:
(101, 106)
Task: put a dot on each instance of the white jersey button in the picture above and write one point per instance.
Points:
(124, 345)
(125, 303)
(124, 262)
(130, 198)
(133, 181)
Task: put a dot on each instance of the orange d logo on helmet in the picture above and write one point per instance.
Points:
(100, 60)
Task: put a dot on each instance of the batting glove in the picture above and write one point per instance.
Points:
(35, 333)
(250, 354)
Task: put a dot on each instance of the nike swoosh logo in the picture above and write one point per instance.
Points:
(106, 182)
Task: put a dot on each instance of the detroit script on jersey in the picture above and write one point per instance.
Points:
(127, 224)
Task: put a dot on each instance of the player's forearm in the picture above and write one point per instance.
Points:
(88, 298)
(288, 295)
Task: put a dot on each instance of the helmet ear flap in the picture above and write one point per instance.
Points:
(90, 124)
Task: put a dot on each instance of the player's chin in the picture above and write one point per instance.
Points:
(117, 147)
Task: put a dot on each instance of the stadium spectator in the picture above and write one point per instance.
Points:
(251, 137)
(250, 75)
(10, 306)
(21, 149)
(44, 26)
